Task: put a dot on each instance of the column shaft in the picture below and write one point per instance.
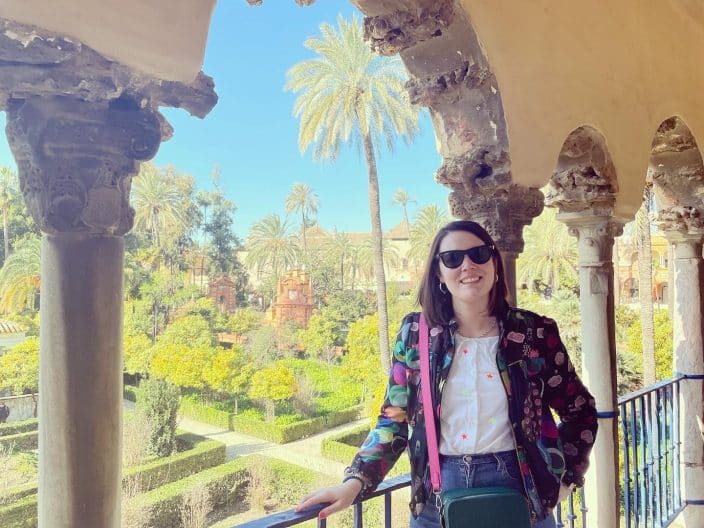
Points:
(688, 358)
(80, 398)
(596, 285)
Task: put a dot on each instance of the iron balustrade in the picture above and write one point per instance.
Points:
(650, 452)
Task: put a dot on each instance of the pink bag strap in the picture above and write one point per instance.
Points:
(430, 433)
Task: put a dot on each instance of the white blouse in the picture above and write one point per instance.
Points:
(474, 409)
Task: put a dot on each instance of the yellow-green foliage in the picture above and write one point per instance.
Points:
(361, 362)
(19, 367)
(318, 339)
(663, 342)
(138, 353)
(181, 364)
(275, 383)
(244, 321)
(228, 371)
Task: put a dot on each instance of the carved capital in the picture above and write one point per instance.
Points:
(681, 221)
(446, 87)
(503, 211)
(595, 236)
(76, 160)
(585, 178)
(391, 33)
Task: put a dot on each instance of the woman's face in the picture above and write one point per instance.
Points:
(469, 283)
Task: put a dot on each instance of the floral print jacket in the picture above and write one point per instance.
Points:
(537, 375)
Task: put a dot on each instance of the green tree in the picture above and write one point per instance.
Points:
(180, 364)
(318, 338)
(662, 340)
(9, 194)
(159, 402)
(366, 258)
(550, 254)
(138, 352)
(20, 276)
(158, 204)
(360, 362)
(402, 199)
(302, 200)
(244, 321)
(19, 367)
(228, 372)
(349, 93)
(423, 230)
(271, 246)
(273, 384)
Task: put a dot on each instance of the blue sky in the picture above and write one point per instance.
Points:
(252, 135)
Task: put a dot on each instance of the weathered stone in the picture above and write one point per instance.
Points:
(36, 62)
(585, 177)
(482, 168)
(503, 211)
(396, 31)
(76, 160)
(681, 219)
(429, 90)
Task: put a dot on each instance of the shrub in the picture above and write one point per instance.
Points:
(19, 427)
(20, 441)
(159, 403)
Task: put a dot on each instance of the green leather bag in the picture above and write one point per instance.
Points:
(491, 507)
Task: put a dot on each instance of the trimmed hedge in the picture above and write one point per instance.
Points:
(24, 426)
(130, 393)
(228, 484)
(204, 413)
(205, 454)
(344, 446)
(21, 441)
(282, 434)
(20, 514)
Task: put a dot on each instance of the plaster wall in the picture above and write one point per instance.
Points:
(165, 38)
(622, 67)
(21, 407)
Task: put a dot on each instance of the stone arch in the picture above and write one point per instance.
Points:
(676, 170)
(585, 175)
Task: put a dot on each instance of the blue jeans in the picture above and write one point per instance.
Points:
(476, 471)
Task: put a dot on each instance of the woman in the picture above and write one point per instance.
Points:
(497, 371)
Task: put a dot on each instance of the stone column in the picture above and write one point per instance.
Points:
(583, 188)
(595, 237)
(75, 161)
(503, 210)
(684, 229)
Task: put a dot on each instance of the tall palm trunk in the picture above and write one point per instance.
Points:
(617, 278)
(303, 225)
(5, 234)
(645, 287)
(375, 214)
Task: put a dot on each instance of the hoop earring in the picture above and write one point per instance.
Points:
(497, 280)
(441, 287)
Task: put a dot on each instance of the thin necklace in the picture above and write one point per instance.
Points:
(486, 332)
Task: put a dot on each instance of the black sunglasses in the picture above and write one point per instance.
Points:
(454, 258)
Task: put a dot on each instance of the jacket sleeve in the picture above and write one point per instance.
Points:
(575, 406)
(389, 438)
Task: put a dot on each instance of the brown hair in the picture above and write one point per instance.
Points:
(436, 305)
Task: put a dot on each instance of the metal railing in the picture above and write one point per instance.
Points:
(650, 450)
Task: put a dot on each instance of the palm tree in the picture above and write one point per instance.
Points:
(349, 93)
(302, 200)
(550, 252)
(341, 249)
(645, 284)
(425, 226)
(271, 247)
(9, 192)
(158, 204)
(402, 198)
(20, 276)
(365, 257)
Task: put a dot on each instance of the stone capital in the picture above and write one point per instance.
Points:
(585, 177)
(682, 226)
(393, 32)
(503, 211)
(76, 160)
(595, 235)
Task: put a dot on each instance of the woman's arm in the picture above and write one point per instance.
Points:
(568, 396)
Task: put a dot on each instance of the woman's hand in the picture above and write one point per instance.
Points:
(564, 492)
(339, 497)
